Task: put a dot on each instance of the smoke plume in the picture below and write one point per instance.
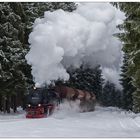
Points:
(62, 39)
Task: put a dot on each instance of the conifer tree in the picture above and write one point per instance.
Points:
(108, 94)
(98, 82)
(128, 88)
(11, 53)
(131, 46)
(111, 96)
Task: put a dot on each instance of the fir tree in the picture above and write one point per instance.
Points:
(111, 96)
(108, 92)
(11, 53)
(128, 88)
(98, 82)
(131, 46)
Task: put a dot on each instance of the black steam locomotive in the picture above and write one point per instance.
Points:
(41, 102)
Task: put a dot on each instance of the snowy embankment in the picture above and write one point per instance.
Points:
(67, 122)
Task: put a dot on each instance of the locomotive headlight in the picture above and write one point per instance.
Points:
(29, 105)
(39, 105)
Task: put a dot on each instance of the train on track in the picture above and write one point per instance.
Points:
(41, 102)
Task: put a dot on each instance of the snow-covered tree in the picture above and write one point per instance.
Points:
(110, 95)
(128, 88)
(131, 46)
(11, 52)
(98, 82)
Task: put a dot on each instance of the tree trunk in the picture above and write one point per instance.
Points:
(24, 102)
(15, 103)
(8, 104)
(0, 102)
(4, 104)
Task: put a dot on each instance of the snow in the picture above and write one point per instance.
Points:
(68, 122)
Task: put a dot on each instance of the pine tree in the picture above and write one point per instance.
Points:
(108, 92)
(98, 82)
(111, 96)
(11, 53)
(128, 88)
(131, 46)
(118, 98)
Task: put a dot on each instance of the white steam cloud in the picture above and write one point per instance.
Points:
(62, 39)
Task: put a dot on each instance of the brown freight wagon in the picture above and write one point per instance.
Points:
(87, 99)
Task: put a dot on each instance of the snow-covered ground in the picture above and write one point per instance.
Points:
(67, 122)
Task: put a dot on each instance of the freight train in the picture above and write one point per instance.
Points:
(41, 102)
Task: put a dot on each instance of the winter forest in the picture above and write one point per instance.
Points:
(87, 46)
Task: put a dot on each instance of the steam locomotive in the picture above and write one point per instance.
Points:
(41, 102)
